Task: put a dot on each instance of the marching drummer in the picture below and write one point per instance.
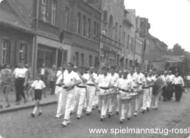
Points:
(112, 98)
(124, 87)
(103, 86)
(69, 85)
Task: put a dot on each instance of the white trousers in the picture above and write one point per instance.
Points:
(146, 96)
(112, 101)
(149, 98)
(74, 100)
(125, 107)
(81, 95)
(69, 105)
(103, 103)
(61, 99)
(90, 98)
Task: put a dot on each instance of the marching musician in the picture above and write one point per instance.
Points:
(103, 86)
(59, 91)
(124, 88)
(146, 93)
(81, 92)
(69, 82)
(112, 98)
(91, 89)
(138, 79)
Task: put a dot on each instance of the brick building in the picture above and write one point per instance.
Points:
(48, 37)
(112, 30)
(15, 38)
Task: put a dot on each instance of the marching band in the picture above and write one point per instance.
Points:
(123, 93)
(112, 92)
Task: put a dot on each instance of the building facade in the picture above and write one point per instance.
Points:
(15, 38)
(111, 33)
(50, 32)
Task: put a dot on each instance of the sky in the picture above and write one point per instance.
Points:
(169, 19)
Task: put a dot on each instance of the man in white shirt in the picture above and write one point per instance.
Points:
(81, 92)
(124, 85)
(138, 80)
(69, 82)
(103, 85)
(20, 74)
(170, 87)
(61, 94)
(91, 90)
(112, 98)
(179, 87)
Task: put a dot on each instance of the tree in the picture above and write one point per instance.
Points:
(178, 50)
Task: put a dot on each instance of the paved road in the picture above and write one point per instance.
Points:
(19, 124)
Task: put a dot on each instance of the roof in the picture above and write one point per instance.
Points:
(9, 18)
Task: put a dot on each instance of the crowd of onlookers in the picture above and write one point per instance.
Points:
(17, 81)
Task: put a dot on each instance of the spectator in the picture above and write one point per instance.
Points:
(38, 85)
(20, 79)
(6, 83)
(52, 79)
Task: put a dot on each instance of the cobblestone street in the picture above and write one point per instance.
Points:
(19, 124)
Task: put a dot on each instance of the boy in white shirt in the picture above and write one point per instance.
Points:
(38, 85)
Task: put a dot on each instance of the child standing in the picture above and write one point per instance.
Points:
(38, 85)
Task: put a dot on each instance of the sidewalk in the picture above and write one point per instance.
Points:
(45, 101)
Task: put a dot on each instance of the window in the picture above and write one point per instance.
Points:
(82, 59)
(84, 25)
(53, 12)
(116, 31)
(89, 28)
(67, 13)
(79, 23)
(65, 57)
(22, 53)
(90, 60)
(77, 58)
(95, 28)
(43, 10)
(6, 52)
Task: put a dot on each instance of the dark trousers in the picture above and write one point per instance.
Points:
(52, 87)
(19, 87)
(164, 94)
(178, 92)
(170, 90)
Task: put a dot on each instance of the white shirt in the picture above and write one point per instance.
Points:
(59, 72)
(178, 80)
(113, 79)
(170, 78)
(69, 78)
(91, 78)
(124, 83)
(42, 71)
(103, 81)
(20, 72)
(38, 85)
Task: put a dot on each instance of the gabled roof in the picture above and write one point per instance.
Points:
(24, 13)
(10, 18)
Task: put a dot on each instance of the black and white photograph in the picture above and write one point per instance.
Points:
(94, 68)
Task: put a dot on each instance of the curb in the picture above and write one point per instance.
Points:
(25, 107)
